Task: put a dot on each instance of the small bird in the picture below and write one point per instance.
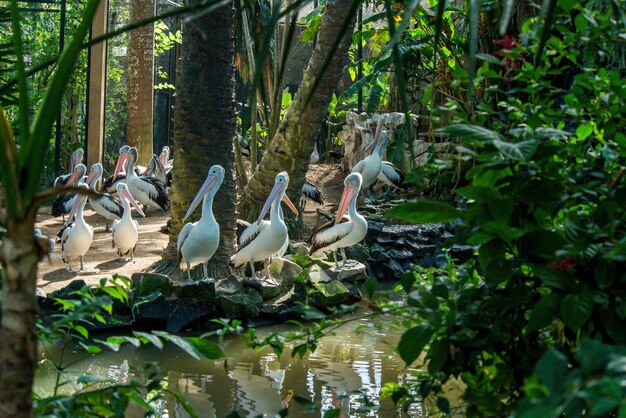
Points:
(126, 230)
(345, 231)
(198, 241)
(263, 239)
(77, 238)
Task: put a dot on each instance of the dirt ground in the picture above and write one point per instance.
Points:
(102, 261)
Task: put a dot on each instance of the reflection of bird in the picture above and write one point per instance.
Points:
(63, 203)
(346, 230)
(147, 190)
(106, 205)
(262, 239)
(310, 192)
(75, 159)
(126, 230)
(198, 241)
(77, 238)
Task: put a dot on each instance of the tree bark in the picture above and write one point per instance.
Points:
(204, 131)
(139, 125)
(18, 341)
(291, 147)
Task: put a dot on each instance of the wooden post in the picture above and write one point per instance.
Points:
(97, 87)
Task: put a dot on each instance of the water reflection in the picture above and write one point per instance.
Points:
(346, 371)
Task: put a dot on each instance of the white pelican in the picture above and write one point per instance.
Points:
(310, 192)
(126, 230)
(77, 238)
(345, 231)
(147, 190)
(106, 205)
(370, 166)
(109, 185)
(62, 204)
(315, 156)
(198, 241)
(75, 159)
(263, 239)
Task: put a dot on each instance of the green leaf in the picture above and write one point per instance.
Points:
(156, 341)
(551, 369)
(413, 342)
(438, 355)
(555, 278)
(206, 348)
(544, 312)
(472, 133)
(183, 344)
(584, 130)
(332, 413)
(489, 58)
(425, 211)
(543, 244)
(519, 151)
(576, 309)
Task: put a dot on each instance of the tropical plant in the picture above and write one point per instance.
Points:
(545, 216)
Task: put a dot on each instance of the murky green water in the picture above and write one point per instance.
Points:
(345, 370)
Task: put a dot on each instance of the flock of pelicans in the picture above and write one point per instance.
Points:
(197, 242)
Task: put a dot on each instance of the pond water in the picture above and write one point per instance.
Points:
(346, 371)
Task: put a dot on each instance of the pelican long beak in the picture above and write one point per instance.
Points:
(74, 209)
(379, 130)
(91, 176)
(346, 197)
(290, 204)
(208, 184)
(278, 188)
(132, 201)
(120, 163)
(75, 175)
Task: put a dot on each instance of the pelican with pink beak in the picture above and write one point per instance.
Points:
(77, 238)
(198, 241)
(126, 230)
(345, 231)
(262, 239)
(75, 159)
(63, 203)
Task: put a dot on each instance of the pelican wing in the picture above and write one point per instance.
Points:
(312, 192)
(62, 204)
(250, 233)
(109, 184)
(330, 233)
(61, 181)
(111, 204)
(65, 234)
(358, 167)
(393, 174)
(182, 236)
(155, 190)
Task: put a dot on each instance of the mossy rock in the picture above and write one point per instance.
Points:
(200, 291)
(329, 294)
(239, 306)
(144, 284)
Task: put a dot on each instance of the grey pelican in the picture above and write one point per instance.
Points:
(126, 230)
(75, 159)
(77, 238)
(263, 239)
(345, 231)
(198, 241)
(370, 166)
(147, 190)
(310, 192)
(62, 204)
(106, 205)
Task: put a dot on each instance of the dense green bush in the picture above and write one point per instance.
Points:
(545, 213)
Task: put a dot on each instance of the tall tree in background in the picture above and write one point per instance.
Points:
(141, 80)
(291, 147)
(204, 130)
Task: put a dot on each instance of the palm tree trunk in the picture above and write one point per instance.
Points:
(18, 345)
(291, 147)
(141, 81)
(204, 131)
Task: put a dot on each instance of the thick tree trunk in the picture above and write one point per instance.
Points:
(18, 341)
(204, 131)
(141, 81)
(291, 147)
